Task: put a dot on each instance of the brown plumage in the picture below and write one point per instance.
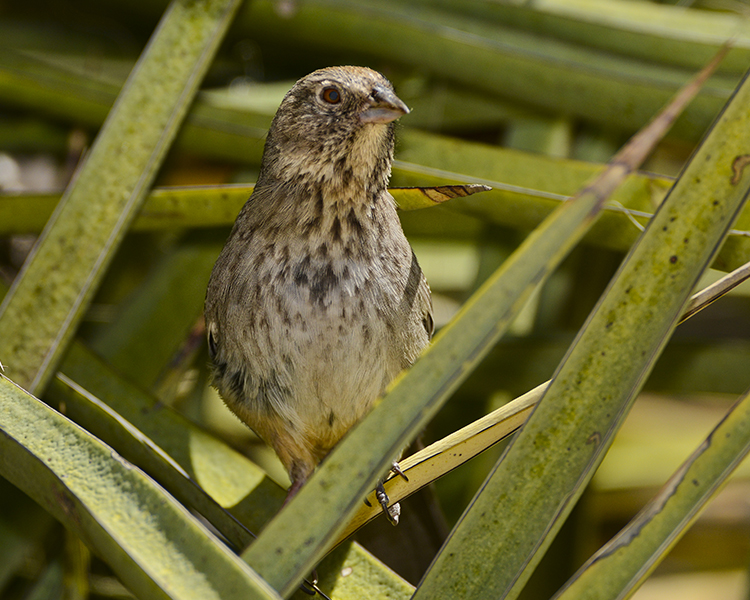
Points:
(317, 300)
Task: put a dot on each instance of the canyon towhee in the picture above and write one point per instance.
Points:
(317, 300)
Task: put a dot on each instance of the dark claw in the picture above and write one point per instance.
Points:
(393, 513)
(396, 468)
(310, 586)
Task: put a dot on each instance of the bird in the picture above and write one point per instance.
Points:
(317, 300)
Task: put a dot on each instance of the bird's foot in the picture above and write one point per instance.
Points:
(396, 468)
(393, 512)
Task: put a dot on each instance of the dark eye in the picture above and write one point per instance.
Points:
(331, 95)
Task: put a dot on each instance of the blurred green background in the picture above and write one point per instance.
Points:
(529, 97)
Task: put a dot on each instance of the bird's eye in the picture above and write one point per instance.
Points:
(331, 95)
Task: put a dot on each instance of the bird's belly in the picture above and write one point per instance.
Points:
(340, 363)
(333, 353)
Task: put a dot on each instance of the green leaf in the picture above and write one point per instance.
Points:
(40, 313)
(621, 565)
(181, 456)
(197, 206)
(170, 448)
(80, 96)
(508, 63)
(437, 459)
(653, 32)
(523, 503)
(527, 188)
(153, 543)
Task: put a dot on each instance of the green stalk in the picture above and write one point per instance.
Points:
(523, 503)
(152, 542)
(649, 31)
(539, 72)
(40, 313)
(621, 565)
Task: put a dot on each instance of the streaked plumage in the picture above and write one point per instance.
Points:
(317, 300)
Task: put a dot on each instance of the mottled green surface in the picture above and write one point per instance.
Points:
(513, 518)
(620, 566)
(153, 543)
(40, 314)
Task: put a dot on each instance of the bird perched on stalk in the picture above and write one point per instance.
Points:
(317, 300)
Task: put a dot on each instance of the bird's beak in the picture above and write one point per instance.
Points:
(384, 108)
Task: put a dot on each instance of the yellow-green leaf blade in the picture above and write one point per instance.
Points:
(38, 316)
(196, 206)
(619, 92)
(414, 198)
(154, 545)
(653, 32)
(622, 564)
(178, 454)
(514, 516)
(437, 459)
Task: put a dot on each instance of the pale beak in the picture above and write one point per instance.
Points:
(384, 107)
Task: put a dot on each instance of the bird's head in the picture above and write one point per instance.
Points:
(334, 128)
